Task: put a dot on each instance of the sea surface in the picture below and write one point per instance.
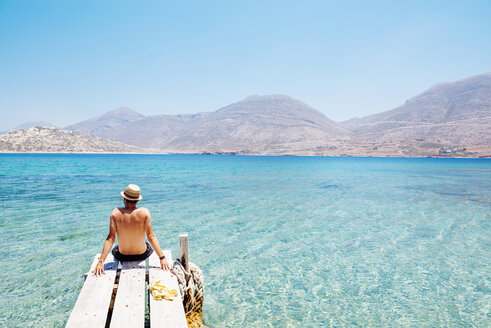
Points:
(282, 241)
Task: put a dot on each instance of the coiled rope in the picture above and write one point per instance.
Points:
(191, 286)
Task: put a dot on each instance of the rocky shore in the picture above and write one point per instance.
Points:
(52, 140)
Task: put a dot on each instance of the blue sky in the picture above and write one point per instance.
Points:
(66, 61)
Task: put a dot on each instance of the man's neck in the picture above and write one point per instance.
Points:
(130, 206)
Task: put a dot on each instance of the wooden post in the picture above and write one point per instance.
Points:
(183, 250)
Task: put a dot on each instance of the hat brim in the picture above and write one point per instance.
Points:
(129, 198)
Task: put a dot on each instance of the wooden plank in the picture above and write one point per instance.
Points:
(92, 304)
(165, 313)
(183, 250)
(129, 305)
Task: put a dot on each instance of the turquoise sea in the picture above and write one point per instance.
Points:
(282, 241)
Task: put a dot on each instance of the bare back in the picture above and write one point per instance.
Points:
(130, 229)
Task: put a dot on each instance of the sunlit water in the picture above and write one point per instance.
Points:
(282, 241)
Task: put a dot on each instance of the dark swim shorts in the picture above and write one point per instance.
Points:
(137, 257)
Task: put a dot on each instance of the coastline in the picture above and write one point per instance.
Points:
(243, 154)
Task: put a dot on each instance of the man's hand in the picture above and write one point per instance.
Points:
(164, 265)
(99, 269)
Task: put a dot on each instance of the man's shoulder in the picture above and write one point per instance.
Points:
(116, 211)
(143, 210)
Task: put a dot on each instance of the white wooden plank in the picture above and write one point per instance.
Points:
(165, 313)
(129, 305)
(92, 304)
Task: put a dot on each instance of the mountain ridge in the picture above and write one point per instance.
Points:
(107, 121)
(447, 119)
(244, 126)
(441, 103)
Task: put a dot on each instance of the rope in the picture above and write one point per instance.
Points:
(191, 286)
(160, 292)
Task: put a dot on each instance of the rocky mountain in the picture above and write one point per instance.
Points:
(448, 116)
(256, 125)
(463, 100)
(107, 122)
(51, 140)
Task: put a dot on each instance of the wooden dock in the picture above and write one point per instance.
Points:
(117, 298)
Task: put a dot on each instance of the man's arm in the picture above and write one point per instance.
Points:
(152, 239)
(108, 243)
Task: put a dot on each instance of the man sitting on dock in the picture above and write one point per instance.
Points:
(130, 224)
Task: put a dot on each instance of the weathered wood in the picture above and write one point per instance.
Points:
(183, 250)
(92, 305)
(165, 313)
(129, 305)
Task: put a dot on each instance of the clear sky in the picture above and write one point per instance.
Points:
(67, 61)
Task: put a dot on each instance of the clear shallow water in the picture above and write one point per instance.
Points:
(282, 241)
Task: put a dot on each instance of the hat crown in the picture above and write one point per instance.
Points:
(132, 192)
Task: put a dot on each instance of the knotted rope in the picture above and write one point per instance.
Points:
(191, 286)
(160, 292)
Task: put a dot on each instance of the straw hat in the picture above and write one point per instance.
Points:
(132, 192)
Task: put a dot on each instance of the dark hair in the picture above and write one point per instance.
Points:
(131, 201)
